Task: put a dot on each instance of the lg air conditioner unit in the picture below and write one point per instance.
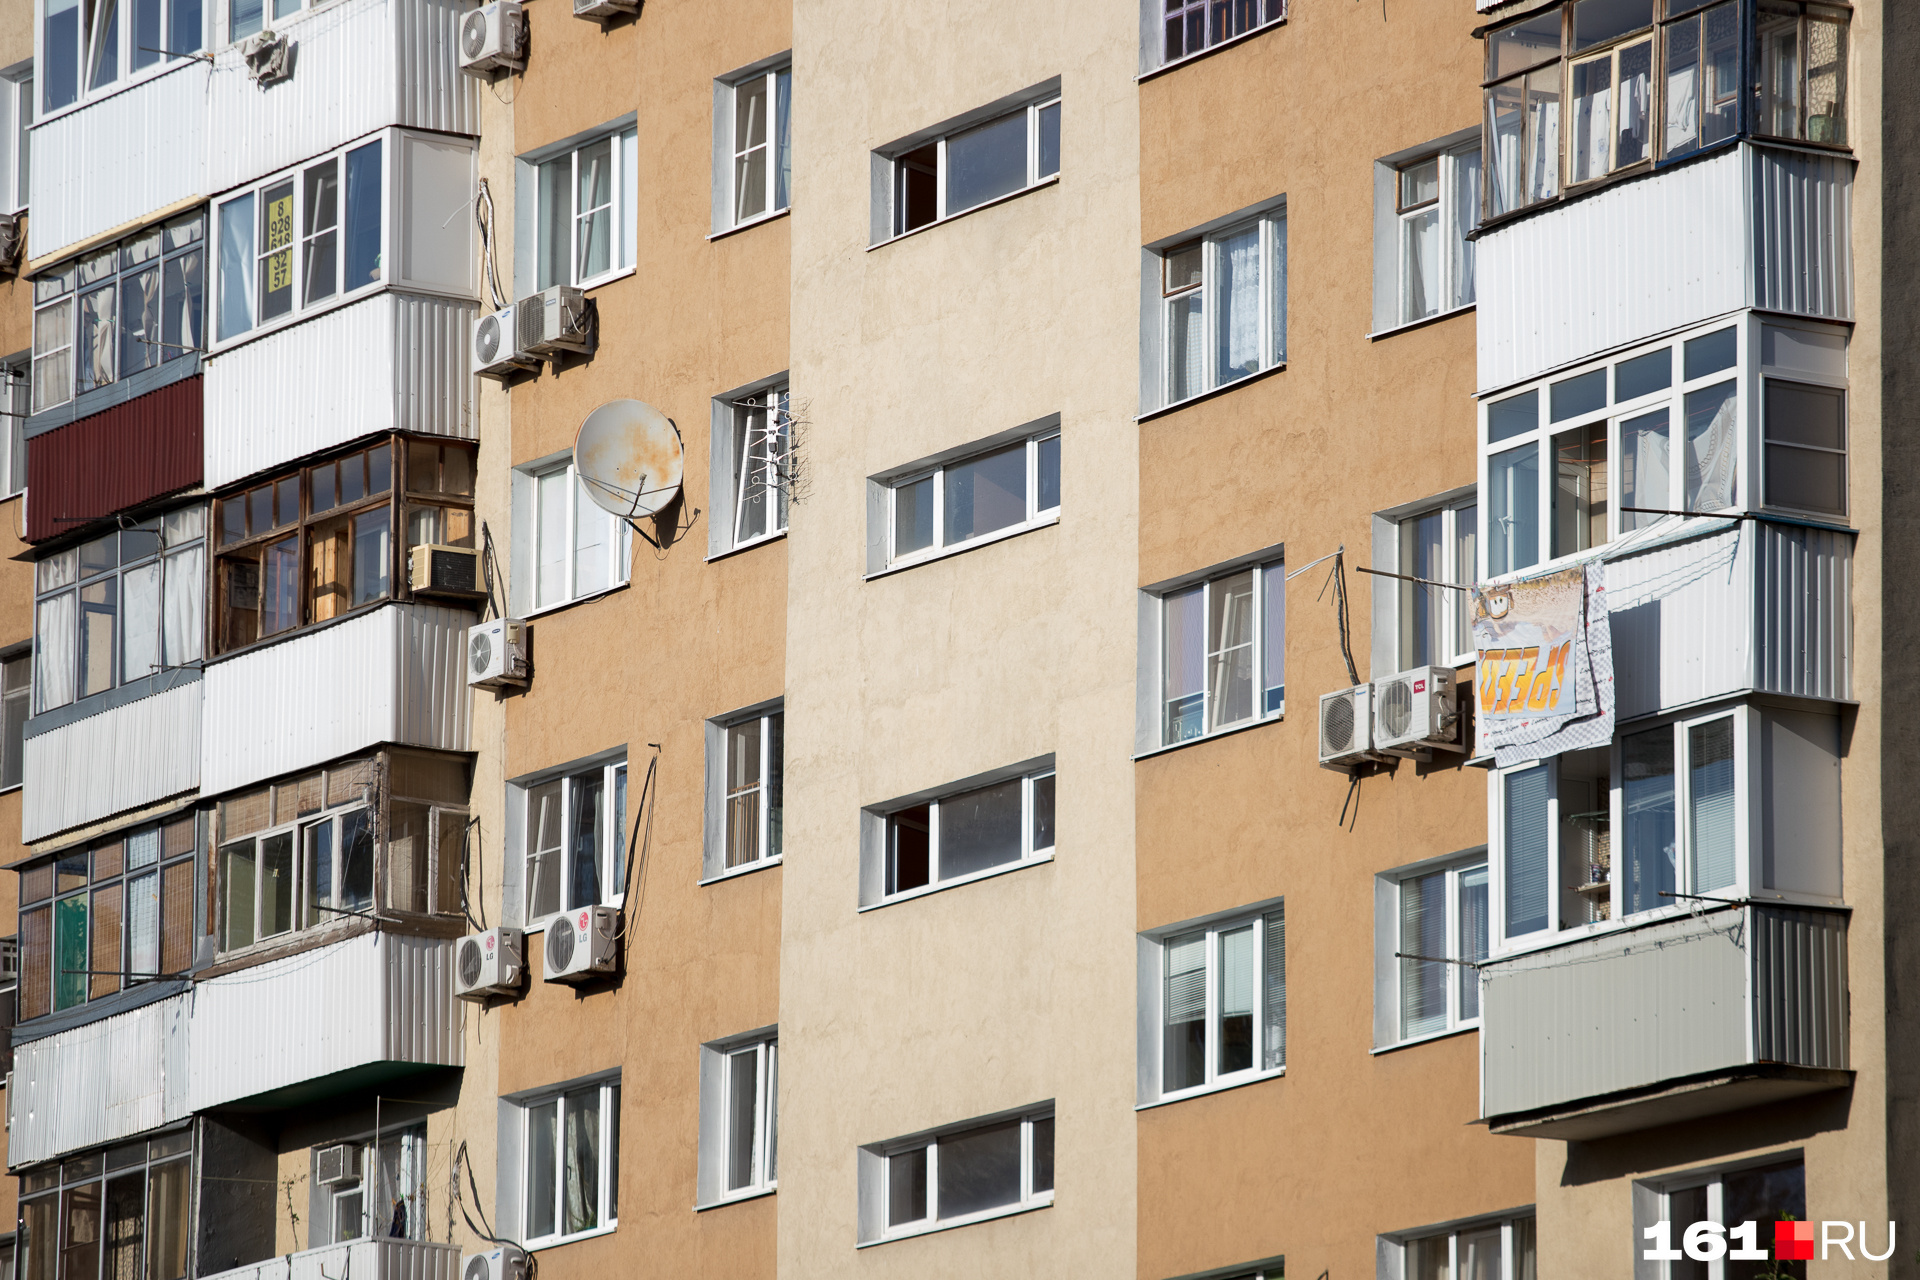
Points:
(1346, 727)
(1415, 712)
(434, 570)
(580, 944)
(493, 36)
(497, 654)
(602, 10)
(553, 322)
(336, 1164)
(496, 347)
(504, 1263)
(492, 963)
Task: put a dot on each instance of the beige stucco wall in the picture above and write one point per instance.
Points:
(1016, 989)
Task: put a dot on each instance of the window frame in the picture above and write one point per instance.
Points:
(607, 1089)
(1398, 1245)
(53, 1183)
(762, 468)
(409, 1144)
(622, 206)
(879, 1188)
(1263, 564)
(1037, 517)
(1452, 511)
(1155, 950)
(1162, 16)
(387, 143)
(772, 781)
(1653, 1202)
(1392, 971)
(1270, 305)
(16, 704)
(16, 389)
(718, 1119)
(1456, 250)
(16, 153)
(899, 158)
(1031, 855)
(127, 75)
(619, 545)
(610, 858)
(779, 137)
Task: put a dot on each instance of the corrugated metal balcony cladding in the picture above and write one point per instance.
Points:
(113, 460)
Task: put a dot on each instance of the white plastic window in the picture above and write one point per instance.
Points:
(762, 168)
(970, 833)
(750, 1152)
(1440, 932)
(1223, 1004)
(579, 549)
(572, 1172)
(1437, 200)
(575, 840)
(968, 1175)
(976, 165)
(1224, 307)
(971, 499)
(586, 217)
(1223, 652)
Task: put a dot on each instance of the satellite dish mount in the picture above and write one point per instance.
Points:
(631, 462)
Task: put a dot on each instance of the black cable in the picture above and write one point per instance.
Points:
(1340, 602)
(487, 558)
(467, 877)
(632, 909)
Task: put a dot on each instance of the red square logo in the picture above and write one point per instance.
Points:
(1792, 1241)
(1419, 686)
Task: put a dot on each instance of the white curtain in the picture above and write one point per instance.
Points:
(53, 651)
(1683, 108)
(1543, 133)
(581, 1186)
(1239, 295)
(140, 620)
(1712, 455)
(1274, 983)
(1651, 486)
(1420, 265)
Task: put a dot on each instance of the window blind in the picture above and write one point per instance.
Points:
(1527, 850)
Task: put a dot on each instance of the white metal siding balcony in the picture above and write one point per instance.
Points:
(1687, 1017)
(200, 128)
(118, 759)
(396, 674)
(100, 1082)
(375, 1259)
(1754, 226)
(376, 999)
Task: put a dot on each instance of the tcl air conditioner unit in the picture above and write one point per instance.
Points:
(580, 944)
(434, 570)
(1415, 712)
(336, 1164)
(497, 653)
(1346, 727)
(601, 10)
(496, 347)
(493, 36)
(492, 963)
(553, 321)
(504, 1263)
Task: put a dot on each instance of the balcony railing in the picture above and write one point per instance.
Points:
(376, 1259)
(1708, 1013)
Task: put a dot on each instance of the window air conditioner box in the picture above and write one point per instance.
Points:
(492, 36)
(496, 346)
(338, 1163)
(497, 654)
(553, 321)
(444, 571)
(580, 944)
(601, 10)
(1346, 727)
(1415, 712)
(492, 963)
(503, 1263)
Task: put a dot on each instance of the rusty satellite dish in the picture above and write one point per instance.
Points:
(629, 458)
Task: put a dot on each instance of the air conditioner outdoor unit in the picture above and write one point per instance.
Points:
(504, 1263)
(493, 36)
(436, 570)
(492, 963)
(496, 346)
(553, 321)
(497, 653)
(1346, 727)
(1414, 712)
(580, 944)
(601, 10)
(338, 1163)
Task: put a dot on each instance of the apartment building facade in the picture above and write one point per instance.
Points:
(448, 436)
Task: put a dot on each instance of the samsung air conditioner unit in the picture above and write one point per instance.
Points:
(503, 1263)
(1346, 727)
(553, 322)
(434, 570)
(493, 36)
(497, 654)
(602, 10)
(492, 963)
(496, 346)
(336, 1164)
(580, 944)
(1415, 712)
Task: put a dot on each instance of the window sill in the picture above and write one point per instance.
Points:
(961, 548)
(1050, 180)
(548, 609)
(1220, 390)
(132, 81)
(556, 1241)
(1039, 860)
(1203, 1091)
(746, 546)
(1461, 1030)
(1191, 58)
(934, 1228)
(612, 277)
(738, 1197)
(734, 873)
(1272, 717)
(749, 225)
(1421, 323)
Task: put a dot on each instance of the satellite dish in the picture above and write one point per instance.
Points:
(629, 458)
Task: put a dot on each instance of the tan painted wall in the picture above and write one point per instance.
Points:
(651, 662)
(1017, 989)
(1347, 1144)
